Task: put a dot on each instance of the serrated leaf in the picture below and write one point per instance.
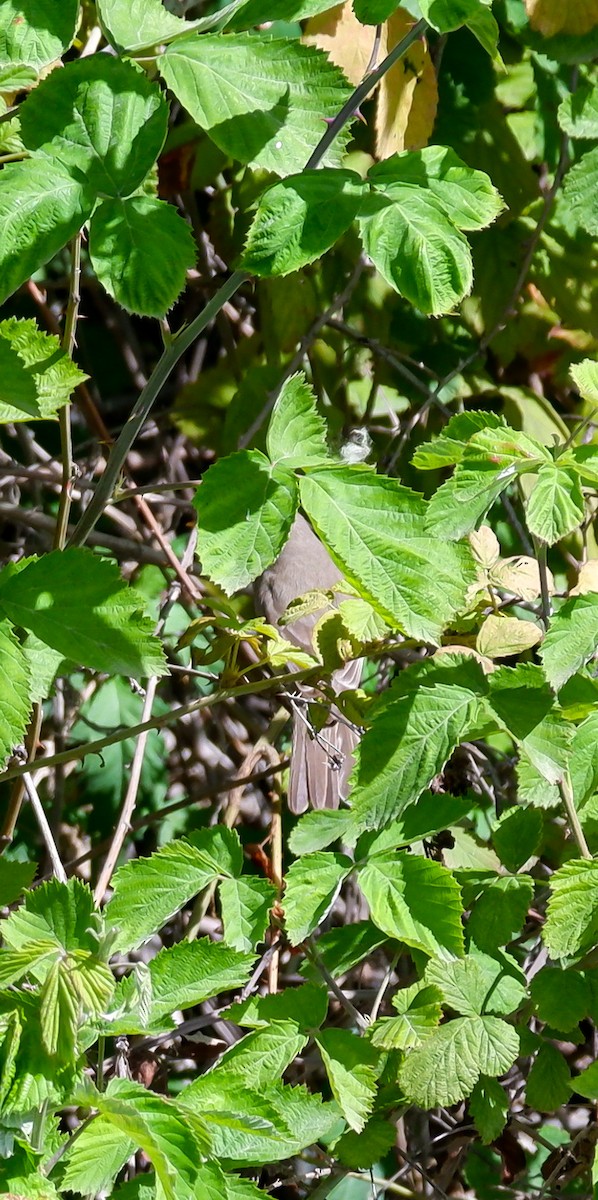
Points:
(578, 112)
(417, 249)
(58, 1013)
(172, 1141)
(524, 705)
(306, 1005)
(375, 531)
(583, 760)
(96, 1156)
(137, 24)
(448, 1065)
(428, 815)
(419, 1012)
(245, 509)
(517, 836)
(299, 219)
(36, 376)
(585, 377)
(449, 447)
(555, 507)
(427, 712)
(245, 905)
(191, 972)
(41, 207)
(572, 921)
(500, 636)
(549, 1081)
(447, 15)
(479, 984)
(141, 250)
(296, 432)
(415, 900)
(14, 964)
(15, 691)
(100, 116)
(467, 197)
(262, 1056)
(489, 1105)
(60, 912)
(500, 912)
(342, 948)
(579, 192)
(36, 34)
(571, 639)
(14, 877)
(586, 1083)
(352, 1069)
(318, 829)
(562, 998)
(148, 891)
(79, 605)
(312, 885)
(275, 94)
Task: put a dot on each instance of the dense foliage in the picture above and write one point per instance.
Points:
(228, 236)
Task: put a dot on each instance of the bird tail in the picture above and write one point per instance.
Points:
(320, 764)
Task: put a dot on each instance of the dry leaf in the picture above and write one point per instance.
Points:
(348, 43)
(408, 94)
(501, 637)
(485, 546)
(587, 580)
(562, 16)
(519, 575)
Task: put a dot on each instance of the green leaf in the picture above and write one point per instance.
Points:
(95, 1157)
(245, 905)
(448, 15)
(38, 33)
(549, 1081)
(417, 249)
(58, 1013)
(299, 219)
(15, 691)
(78, 604)
(361, 1151)
(41, 208)
(572, 921)
(427, 712)
(15, 964)
(14, 878)
(262, 1056)
(586, 1083)
(571, 638)
(428, 815)
(63, 913)
(138, 24)
(306, 1005)
(189, 973)
(342, 948)
(501, 911)
(245, 509)
(149, 891)
(578, 112)
(555, 507)
(312, 885)
(489, 1105)
(525, 706)
(352, 1069)
(172, 1141)
(100, 116)
(263, 102)
(518, 836)
(583, 760)
(419, 1012)
(579, 191)
(141, 250)
(479, 984)
(467, 197)
(562, 998)
(450, 446)
(375, 531)
(585, 377)
(319, 829)
(415, 900)
(36, 376)
(296, 432)
(447, 1067)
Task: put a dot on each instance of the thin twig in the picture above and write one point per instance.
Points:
(540, 548)
(64, 416)
(45, 830)
(568, 799)
(349, 1007)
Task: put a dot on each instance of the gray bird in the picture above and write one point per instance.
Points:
(320, 763)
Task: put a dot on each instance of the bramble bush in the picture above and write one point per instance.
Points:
(228, 236)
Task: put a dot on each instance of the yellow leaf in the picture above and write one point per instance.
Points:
(348, 43)
(550, 17)
(408, 93)
(501, 637)
(519, 575)
(587, 580)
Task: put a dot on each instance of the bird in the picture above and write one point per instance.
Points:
(321, 762)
